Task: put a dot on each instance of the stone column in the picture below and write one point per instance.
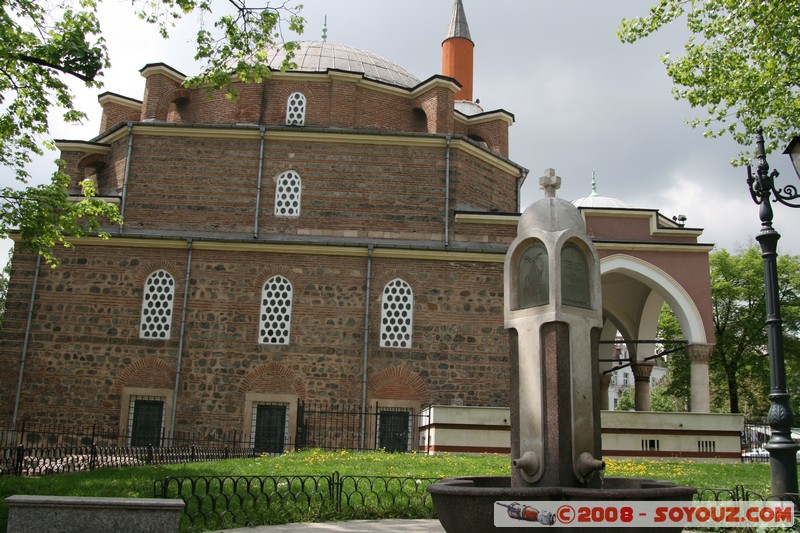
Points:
(605, 381)
(641, 380)
(699, 359)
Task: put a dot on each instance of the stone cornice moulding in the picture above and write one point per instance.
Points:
(114, 98)
(253, 132)
(286, 248)
(83, 147)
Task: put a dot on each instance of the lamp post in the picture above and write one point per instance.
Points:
(781, 447)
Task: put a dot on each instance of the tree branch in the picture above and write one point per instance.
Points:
(60, 68)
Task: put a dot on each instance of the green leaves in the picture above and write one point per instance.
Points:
(46, 216)
(741, 66)
(46, 43)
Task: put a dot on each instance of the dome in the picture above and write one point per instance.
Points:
(319, 56)
(601, 201)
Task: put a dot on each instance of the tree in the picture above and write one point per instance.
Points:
(676, 385)
(739, 364)
(741, 64)
(4, 277)
(45, 43)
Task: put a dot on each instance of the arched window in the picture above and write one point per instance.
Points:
(159, 295)
(288, 190)
(533, 276)
(575, 284)
(397, 314)
(296, 109)
(276, 311)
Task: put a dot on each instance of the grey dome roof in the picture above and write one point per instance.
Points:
(601, 201)
(319, 56)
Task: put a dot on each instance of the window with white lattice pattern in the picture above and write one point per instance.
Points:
(159, 295)
(296, 110)
(287, 194)
(397, 313)
(276, 311)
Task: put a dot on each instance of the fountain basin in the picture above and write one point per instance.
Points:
(466, 504)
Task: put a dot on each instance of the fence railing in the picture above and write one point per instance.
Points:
(216, 502)
(37, 449)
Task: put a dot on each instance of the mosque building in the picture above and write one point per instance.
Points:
(332, 238)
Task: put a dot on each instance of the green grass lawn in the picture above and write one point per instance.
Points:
(138, 481)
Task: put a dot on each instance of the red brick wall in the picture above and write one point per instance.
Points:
(85, 347)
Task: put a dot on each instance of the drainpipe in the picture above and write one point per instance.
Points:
(522, 174)
(125, 177)
(363, 429)
(258, 187)
(24, 355)
(180, 341)
(447, 193)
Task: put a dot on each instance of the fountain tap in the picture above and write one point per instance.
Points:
(587, 465)
(529, 464)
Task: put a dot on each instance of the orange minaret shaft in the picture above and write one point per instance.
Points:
(457, 52)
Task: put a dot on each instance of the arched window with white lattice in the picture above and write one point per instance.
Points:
(288, 191)
(296, 109)
(276, 311)
(397, 314)
(159, 295)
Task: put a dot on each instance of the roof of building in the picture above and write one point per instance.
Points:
(320, 56)
(595, 200)
(458, 23)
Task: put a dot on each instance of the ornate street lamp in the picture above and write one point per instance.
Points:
(781, 447)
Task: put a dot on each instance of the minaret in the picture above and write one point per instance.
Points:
(457, 52)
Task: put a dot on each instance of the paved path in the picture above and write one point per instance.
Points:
(352, 526)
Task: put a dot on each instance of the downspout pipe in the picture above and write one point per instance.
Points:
(24, 356)
(127, 174)
(365, 355)
(258, 187)
(181, 338)
(523, 173)
(447, 191)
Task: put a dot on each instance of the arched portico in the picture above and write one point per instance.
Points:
(633, 292)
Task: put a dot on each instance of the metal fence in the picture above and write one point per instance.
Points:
(216, 502)
(31, 449)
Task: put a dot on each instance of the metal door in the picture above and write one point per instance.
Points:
(147, 422)
(393, 430)
(270, 428)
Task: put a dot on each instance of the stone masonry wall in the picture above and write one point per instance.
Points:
(84, 345)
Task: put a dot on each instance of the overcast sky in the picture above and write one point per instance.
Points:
(582, 100)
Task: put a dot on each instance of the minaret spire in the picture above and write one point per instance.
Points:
(458, 51)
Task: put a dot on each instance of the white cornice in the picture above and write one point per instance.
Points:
(83, 147)
(314, 136)
(287, 248)
(111, 98)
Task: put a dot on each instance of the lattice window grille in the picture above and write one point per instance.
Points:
(159, 296)
(397, 309)
(296, 110)
(287, 194)
(276, 311)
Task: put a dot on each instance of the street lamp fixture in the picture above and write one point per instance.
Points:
(781, 447)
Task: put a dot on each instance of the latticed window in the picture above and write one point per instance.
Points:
(276, 311)
(159, 295)
(296, 109)
(287, 194)
(397, 310)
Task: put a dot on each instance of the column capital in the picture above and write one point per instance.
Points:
(642, 371)
(700, 353)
